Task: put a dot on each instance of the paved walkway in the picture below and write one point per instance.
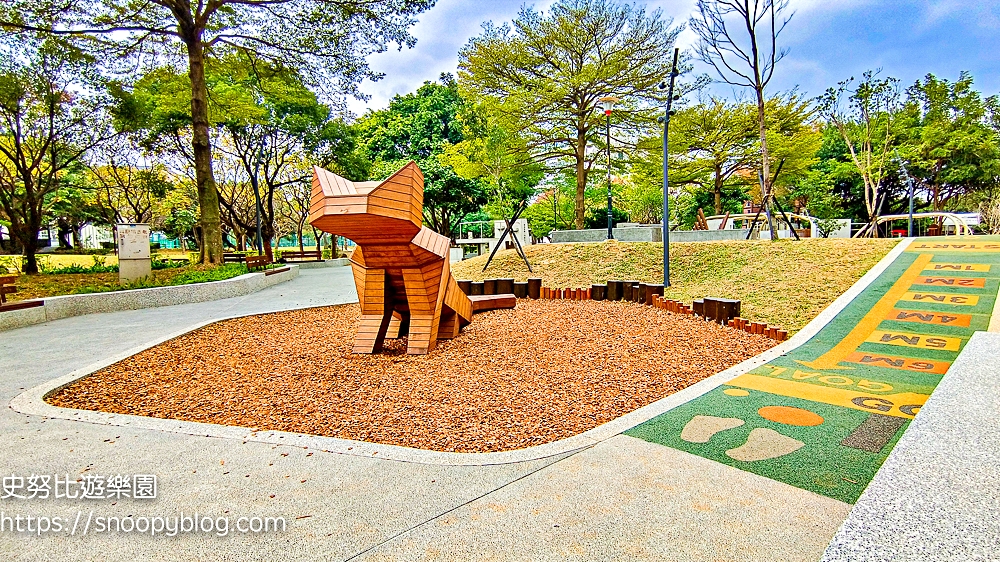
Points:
(625, 498)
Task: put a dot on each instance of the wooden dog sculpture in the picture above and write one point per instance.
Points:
(401, 268)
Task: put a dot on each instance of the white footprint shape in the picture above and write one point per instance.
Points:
(763, 444)
(701, 428)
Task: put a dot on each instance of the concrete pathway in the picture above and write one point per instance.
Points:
(624, 498)
(938, 495)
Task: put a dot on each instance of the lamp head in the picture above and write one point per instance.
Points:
(607, 102)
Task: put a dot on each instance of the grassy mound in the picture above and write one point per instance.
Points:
(783, 283)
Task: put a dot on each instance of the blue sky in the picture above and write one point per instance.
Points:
(829, 40)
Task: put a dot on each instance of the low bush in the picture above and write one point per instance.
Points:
(219, 273)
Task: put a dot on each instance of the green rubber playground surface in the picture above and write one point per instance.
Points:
(825, 416)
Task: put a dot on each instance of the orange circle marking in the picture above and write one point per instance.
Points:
(790, 416)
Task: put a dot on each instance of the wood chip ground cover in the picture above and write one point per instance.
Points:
(544, 371)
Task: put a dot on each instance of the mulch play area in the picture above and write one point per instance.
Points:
(544, 371)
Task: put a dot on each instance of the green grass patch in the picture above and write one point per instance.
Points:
(784, 283)
(50, 285)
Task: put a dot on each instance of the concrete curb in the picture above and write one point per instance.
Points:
(114, 301)
(338, 262)
(32, 402)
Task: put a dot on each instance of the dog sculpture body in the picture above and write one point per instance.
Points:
(401, 268)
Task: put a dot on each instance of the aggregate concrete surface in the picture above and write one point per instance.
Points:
(938, 495)
(622, 499)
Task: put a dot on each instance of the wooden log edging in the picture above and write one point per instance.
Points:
(712, 309)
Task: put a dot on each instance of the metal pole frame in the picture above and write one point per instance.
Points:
(666, 172)
(256, 196)
(510, 230)
(611, 234)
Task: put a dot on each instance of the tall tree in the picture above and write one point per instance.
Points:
(945, 134)
(47, 126)
(494, 151)
(739, 39)
(266, 123)
(865, 122)
(419, 126)
(548, 71)
(720, 137)
(327, 40)
(127, 185)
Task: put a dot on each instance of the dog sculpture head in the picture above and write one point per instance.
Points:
(386, 212)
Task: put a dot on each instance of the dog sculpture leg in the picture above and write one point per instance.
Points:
(425, 297)
(376, 309)
(399, 325)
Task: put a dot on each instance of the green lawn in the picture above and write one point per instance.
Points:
(784, 283)
(46, 285)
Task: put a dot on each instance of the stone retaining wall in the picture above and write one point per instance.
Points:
(645, 234)
(114, 301)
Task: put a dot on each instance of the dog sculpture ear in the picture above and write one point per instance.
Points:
(390, 211)
(402, 192)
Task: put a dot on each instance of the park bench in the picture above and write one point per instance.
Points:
(7, 288)
(308, 255)
(261, 262)
(233, 257)
(256, 262)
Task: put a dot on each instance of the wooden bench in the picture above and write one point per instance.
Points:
(482, 303)
(256, 262)
(7, 288)
(233, 257)
(308, 255)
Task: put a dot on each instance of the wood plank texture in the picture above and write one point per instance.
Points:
(401, 268)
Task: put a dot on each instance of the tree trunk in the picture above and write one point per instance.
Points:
(208, 195)
(266, 237)
(581, 177)
(765, 161)
(718, 190)
(29, 245)
(299, 234)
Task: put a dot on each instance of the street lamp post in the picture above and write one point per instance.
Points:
(256, 196)
(666, 175)
(608, 102)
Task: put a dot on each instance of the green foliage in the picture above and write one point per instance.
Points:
(179, 222)
(220, 273)
(493, 151)
(480, 224)
(715, 157)
(689, 202)
(158, 264)
(642, 201)
(597, 217)
(420, 126)
(945, 136)
(815, 194)
(11, 264)
(546, 72)
(865, 114)
(51, 115)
